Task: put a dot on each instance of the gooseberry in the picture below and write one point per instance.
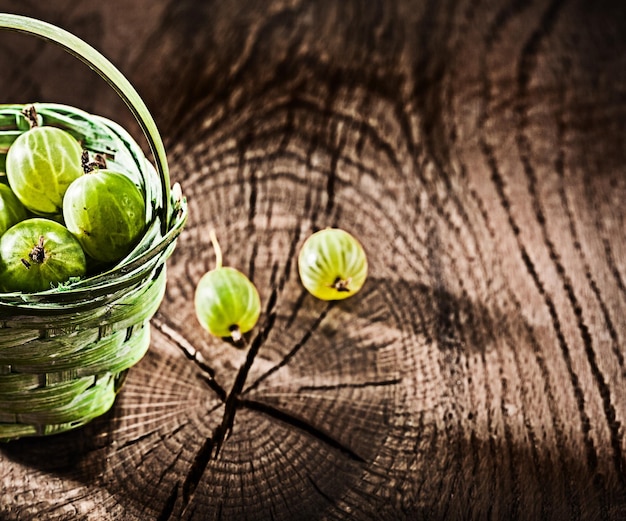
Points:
(40, 165)
(227, 303)
(36, 254)
(332, 264)
(106, 213)
(11, 210)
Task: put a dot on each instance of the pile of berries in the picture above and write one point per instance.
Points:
(62, 212)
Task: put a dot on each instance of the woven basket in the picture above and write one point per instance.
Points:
(64, 353)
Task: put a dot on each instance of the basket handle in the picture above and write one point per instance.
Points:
(97, 62)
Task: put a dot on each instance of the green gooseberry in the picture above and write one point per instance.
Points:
(106, 212)
(40, 165)
(36, 254)
(227, 303)
(332, 264)
(11, 210)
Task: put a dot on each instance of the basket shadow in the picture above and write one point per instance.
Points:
(63, 453)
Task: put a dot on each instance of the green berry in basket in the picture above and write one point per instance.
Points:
(37, 254)
(11, 210)
(227, 303)
(40, 165)
(332, 264)
(106, 213)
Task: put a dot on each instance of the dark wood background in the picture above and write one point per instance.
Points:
(478, 150)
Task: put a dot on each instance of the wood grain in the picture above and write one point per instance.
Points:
(477, 149)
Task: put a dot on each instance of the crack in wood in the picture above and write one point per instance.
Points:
(301, 425)
(317, 488)
(192, 354)
(351, 385)
(289, 259)
(200, 462)
(212, 445)
(215, 387)
(170, 503)
(296, 307)
(138, 439)
(305, 338)
(223, 430)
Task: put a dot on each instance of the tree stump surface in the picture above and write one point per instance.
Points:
(477, 148)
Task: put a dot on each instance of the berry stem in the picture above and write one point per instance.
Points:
(218, 250)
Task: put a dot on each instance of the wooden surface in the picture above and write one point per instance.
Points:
(477, 148)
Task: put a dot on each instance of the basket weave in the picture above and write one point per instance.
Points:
(64, 352)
